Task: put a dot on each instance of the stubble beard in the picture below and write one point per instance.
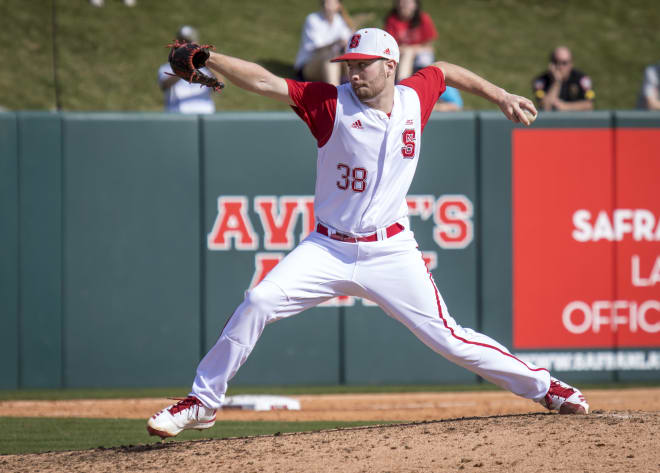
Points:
(371, 91)
(363, 93)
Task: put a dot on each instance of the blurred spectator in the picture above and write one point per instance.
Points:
(100, 3)
(325, 33)
(649, 96)
(562, 87)
(449, 101)
(181, 96)
(415, 32)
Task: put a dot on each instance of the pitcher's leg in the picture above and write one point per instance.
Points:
(400, 283)
(307, 276)
(198, 410)
(261, 306)
(315, 271)
(481, 354)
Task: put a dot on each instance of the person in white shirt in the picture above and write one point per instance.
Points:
(179, 95)
(324, 34)
(649, 96)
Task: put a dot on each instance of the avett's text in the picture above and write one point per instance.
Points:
(637, 225)
(233, 228)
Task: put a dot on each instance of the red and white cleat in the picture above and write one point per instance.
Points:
(188, 413)
(564, 398)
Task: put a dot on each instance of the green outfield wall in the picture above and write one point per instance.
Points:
(127, 240)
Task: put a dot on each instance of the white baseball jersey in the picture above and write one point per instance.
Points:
(366, 159)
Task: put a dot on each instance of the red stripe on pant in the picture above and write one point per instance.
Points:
(451, 330)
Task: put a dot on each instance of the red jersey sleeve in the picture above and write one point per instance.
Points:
(316, 104)
(429, 83)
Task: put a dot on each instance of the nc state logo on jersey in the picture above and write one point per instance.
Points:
(355, 40)
(408, 148)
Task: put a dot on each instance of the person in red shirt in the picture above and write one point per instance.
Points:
(415, 32)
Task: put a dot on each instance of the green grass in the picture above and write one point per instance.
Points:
(126, 393)
(20, 435)
(107, 58)
(165, 392)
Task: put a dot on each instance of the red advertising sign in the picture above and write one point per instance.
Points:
(637, 165)
(586, 238)
(234, 229)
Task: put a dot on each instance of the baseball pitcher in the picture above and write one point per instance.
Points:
(368, 132)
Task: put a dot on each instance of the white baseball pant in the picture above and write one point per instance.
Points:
(389, 272)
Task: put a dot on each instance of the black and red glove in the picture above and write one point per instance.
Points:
(187, 59)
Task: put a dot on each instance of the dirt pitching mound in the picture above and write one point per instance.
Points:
(604, 441)
(621, 434)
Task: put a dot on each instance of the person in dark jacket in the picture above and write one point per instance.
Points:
(562, 87)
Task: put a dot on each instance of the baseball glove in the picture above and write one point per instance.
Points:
(187, 59)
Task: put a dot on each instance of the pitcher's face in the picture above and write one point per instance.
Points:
(368, 77)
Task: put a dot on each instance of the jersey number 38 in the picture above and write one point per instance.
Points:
(355, 178)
